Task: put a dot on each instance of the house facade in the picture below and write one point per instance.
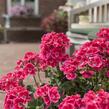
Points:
(41, 7)
(33, 31)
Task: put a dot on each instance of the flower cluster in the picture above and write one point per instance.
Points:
(17, 98)
(8, 82)
(53, 48)
(71, 102)
(92, 57)
(91, 100)
(21, 10)
(48, 94)
(69, 68)
(28, 64)
(99, 100)
(103, 33)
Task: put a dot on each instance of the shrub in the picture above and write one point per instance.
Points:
(57, 21)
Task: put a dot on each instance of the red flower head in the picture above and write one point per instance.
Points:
(103, 33)
(48, 94)
(17, 98)
(30, 56)
(71, 102)
(53, 47)
(8, 82)
(69, 69)
(87, 74)
(29, 69)
(99, 100)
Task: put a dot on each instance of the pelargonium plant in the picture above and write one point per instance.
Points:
(80, 81)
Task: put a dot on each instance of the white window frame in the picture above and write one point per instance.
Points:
(36, 6)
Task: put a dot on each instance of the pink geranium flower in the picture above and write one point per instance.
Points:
(69, 68)
(8, 82)
(99, 100)
(29, 69)
(96, 62)
(87, 74)
(103, 33)
(17, 98)
(53, 48)
(48, 93)
(71, 102)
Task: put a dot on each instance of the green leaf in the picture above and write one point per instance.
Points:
(1, 71)
(31, 88)
(35, 103)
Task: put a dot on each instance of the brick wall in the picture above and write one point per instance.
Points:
(2, 9)
(47, 6)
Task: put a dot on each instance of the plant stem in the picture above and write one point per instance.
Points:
(39, 76)
(2, 92)
(35, 81)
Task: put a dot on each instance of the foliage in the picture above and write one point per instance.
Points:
(57, 21)
(79, 81)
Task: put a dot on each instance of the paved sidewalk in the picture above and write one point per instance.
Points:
(10, 53)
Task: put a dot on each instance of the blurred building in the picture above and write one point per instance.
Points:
(42, 8)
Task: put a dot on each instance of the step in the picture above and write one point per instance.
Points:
(23, 34)
(77, 38)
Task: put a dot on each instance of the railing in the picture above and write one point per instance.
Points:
(98, 12)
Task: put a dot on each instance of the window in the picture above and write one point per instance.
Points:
(32, 3)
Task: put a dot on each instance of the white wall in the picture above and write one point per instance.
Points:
(74, 2)
(91, 1)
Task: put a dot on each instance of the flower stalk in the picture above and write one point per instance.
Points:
(36, 83)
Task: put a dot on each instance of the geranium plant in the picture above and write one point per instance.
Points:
(80, 81)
